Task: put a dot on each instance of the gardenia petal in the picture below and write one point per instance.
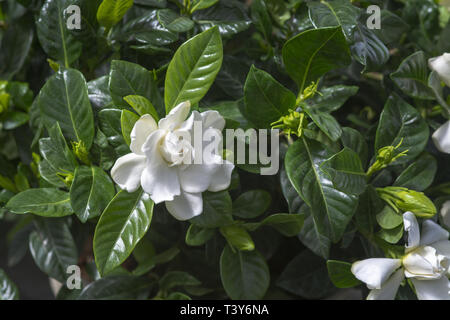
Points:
(185, 206)
(374, 272)
(389, 289)
(222, 178)
(445, 213)
(432, 232)
(175, 117)
(197, 177)
(424, 263)
(141, 130)
(212, 119)
(432, 289)
(158, 179)
(441, 138)
(441, 65)
(443, 248)
(127, 171)
(412, 228)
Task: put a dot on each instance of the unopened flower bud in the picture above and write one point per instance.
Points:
(404, 200)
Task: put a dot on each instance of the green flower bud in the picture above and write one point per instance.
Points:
(293, 123)
(238, 237)
(81, 152)
(386, 156)
(402, 199)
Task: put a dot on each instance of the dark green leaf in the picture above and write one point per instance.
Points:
(332, 209)
(90, 193)
(53, 248)
(251, 204)
(53, 34)
(217, 208)
(127, 121)
(245, 274)
(46, 202)
(398, 121)
(311, 54)
(412, 77)
(64, 99)
(193, 69)
(119, 287)
(341, 275)
(266, 100)
(123, 223)
(8, 290)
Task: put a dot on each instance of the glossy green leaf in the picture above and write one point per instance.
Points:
(202, 4)
(111, 12)
(228, 16)
(412, 77)
(312, 53)
(142, 106)
(46, 202)
(335, 13)
(245, 274)
(14, 120)
(332, 209)
(55, 150)
(53, 248)
(331, 98)
(127, 121)
(120, 287)
(217, 208)
(64, 99)
(123, 223)
(197, 236)
(175, 279)
(369, 206)
(251, 204)
(392, 236)
(128, 78)
(15, 47)
(8, 290)
(325, 121)
(238, 237)
(261, 18)
(346, 172)
(193, 69)
(173, 22)
(355, 141)
(266, 100)
(398, 121)
(290, 194)
(341, 275)
(368, 49)
(313, 238)
(110, 125)
(53, 34)
(419, 175)
(90, 193)
(388, 218)
(287, 224)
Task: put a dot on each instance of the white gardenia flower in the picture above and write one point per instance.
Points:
(445, 214)
(441, 138)
(441, 65)
(163, 157)
(426, 264)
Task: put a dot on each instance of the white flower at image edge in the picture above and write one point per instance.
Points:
(441, 65)
(441, 138)
(425, 263)
(157, 162)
